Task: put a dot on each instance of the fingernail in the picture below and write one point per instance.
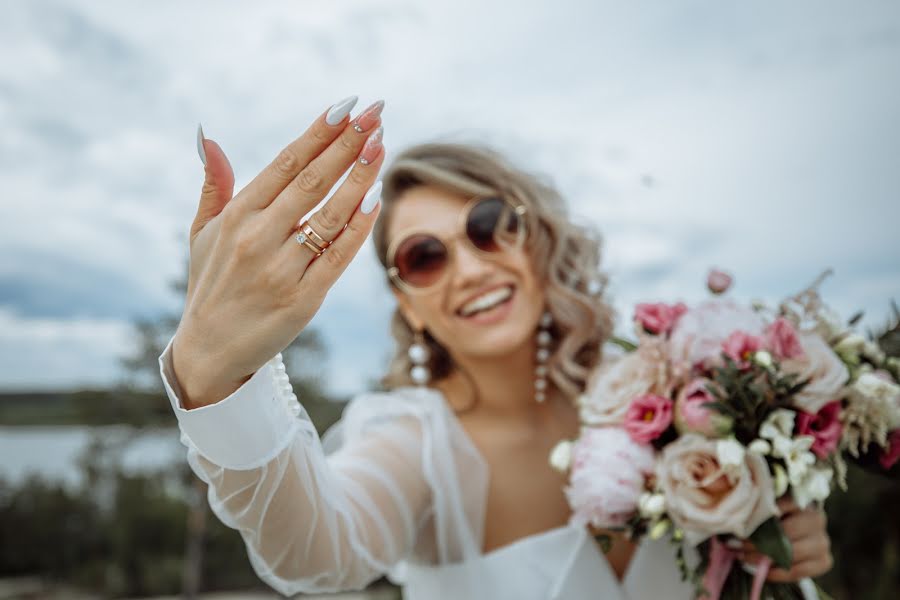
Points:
(372, 147)
(370, 200)
(734, 544)
(367, 118)
(200, 150)
(339, 111)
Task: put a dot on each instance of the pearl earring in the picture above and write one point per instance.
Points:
(418, 355)
(543, 354)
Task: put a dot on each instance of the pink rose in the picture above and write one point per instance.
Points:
(647, 417)
(824, 426)
(658, 318)
(740, 347)
(705, 497)
(781, 339)
(718, 281)
(891, 455)
(609, 470)
(691, 416)
(698, 336)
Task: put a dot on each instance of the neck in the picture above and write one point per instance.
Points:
(504, 384)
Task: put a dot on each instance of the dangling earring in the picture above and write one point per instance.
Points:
(543, 354)
(418, 355)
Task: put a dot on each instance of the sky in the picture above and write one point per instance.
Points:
(762, 138)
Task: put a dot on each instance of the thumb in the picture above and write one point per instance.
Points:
(218, 183)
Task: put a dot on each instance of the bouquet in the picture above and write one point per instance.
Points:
(718, 411)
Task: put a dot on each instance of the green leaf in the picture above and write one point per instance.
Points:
(769, 538)
(605, 541)
(623, 343)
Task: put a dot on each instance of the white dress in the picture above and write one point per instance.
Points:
(397, 487)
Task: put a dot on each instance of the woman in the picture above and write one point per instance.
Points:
(442, 481)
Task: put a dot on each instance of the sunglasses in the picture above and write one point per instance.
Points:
(418, 261)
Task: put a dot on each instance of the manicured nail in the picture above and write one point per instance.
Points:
(339, 111)
(367, 118)
(200, 150)
(372, 147)
(370, 200)
(734, 544)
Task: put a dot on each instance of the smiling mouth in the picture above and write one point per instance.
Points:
(486, 302)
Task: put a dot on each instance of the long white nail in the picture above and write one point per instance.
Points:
(340, 110)
(200, 150)
(370, 200)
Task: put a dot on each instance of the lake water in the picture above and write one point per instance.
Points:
(54, 452)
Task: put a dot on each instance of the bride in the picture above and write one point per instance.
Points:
(442, 481)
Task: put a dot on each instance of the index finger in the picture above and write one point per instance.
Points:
(787, 505)
(260, 192)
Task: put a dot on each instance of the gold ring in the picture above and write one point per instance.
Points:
(308, 237)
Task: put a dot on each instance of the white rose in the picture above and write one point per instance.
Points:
(883, 392)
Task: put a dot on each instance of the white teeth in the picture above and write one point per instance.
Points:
(486, 301)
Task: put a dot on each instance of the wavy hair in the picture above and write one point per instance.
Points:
(566, 257)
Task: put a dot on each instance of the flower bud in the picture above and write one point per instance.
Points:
(763, 359)
(718, 281)
(561, 456)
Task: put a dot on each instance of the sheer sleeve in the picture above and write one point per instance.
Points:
(389, 490)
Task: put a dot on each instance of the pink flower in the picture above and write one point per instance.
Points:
(890, 456)
(824, 426)
(658, 318)
(740, 347)
(691, 416)
(609, 470)
(698, 335)
(718, 281)
(647, 417)
(781, 338)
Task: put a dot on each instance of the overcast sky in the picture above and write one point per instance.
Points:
(761, 137)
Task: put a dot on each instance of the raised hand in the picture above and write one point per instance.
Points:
(252, 285)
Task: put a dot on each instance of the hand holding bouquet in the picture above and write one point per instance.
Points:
(723, 424)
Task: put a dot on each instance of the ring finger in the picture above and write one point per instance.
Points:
(328, 222)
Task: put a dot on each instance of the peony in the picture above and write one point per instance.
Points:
(617, 383)
(691, 416)
(704, 498)
(658, 318)
(781, 338)
(698, 336)
(609, 470)
(741, 347)
(824, 426)
(718, 281)
(826, 372)
(647, 417)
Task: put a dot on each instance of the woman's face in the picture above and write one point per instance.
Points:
(446, 309)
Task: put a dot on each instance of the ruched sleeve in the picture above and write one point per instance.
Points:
(401, 481)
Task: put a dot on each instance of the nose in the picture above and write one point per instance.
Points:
(468, 266)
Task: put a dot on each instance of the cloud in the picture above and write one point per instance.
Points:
(756, 138)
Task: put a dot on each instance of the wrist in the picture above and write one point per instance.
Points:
(199, 385)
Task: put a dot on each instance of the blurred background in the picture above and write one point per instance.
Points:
(762, 138)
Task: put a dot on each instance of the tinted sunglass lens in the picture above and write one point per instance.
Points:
(492, 223)
(420, 260)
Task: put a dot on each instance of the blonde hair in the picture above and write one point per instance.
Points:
(565, 255)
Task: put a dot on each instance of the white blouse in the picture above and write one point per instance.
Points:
(396, 487)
